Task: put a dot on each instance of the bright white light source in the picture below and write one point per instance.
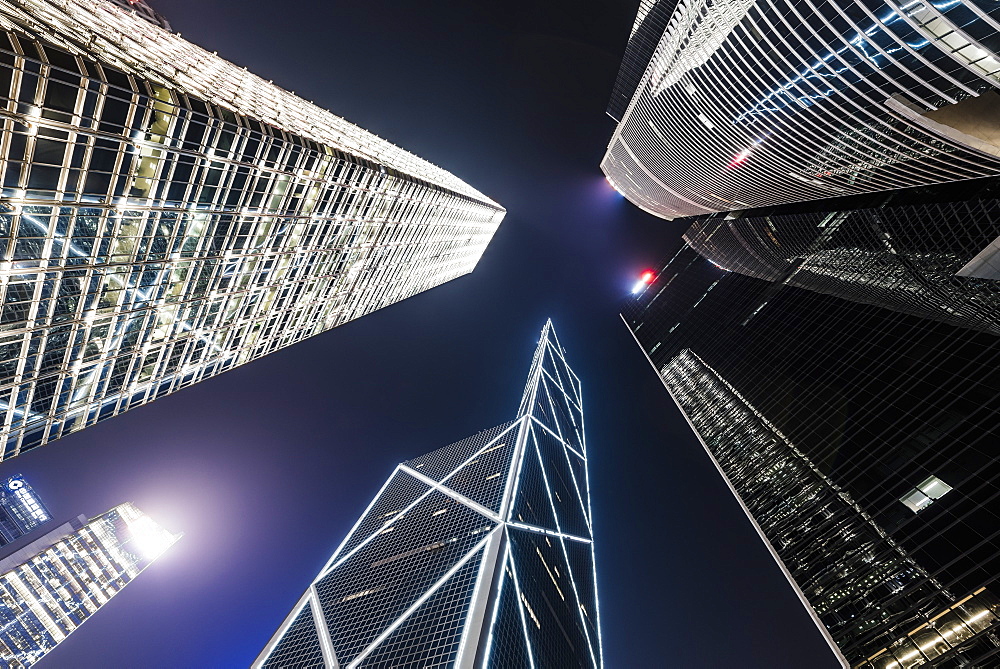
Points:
(149, 538)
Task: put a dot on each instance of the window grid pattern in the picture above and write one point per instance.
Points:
(299, 646)
(846, 406)
(903, 255)
(49, 595)
(831, 98)
(431, 635)
(150, 238)
(403, 589)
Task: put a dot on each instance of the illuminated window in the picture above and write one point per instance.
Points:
(931, 489)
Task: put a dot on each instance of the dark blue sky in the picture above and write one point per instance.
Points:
(267, 467)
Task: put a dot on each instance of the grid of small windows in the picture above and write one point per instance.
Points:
(877, 401)
(806, 99)
(299, 647)
(372, 588)
(150, 239)
(430, 636)
(484, 478)
(400, 493)
(409, 542)
(507, 639)
(441, 462)
(54, 592)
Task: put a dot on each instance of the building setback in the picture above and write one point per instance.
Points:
(856, 431)
(54, 584)
(747, 104)
(166, 215)
(479, 554)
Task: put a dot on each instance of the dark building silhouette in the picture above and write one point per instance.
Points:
(852, 414)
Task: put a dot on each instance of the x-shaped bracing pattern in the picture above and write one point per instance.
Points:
(477, 554)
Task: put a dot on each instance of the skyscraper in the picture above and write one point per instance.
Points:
(856, 435)
(21, 510)
(478, 554)
(748, 104)
(168, 215)
(54, 584)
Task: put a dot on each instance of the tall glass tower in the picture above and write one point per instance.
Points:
(21, 511)
(745, 104)
(479, 554)
(166, 215)
(54, 584)
(856, 432)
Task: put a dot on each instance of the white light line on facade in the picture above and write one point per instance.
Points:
(358, 524)
(418, 603)
(562, 441)
(480, 600)
(282, 628)
(517, 466)
(378, 530)
(499, 598)
(520, 599)
(325, 642)
(458, 497)
(547, 532)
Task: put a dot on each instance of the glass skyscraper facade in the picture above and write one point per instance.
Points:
(852, 414)
(166, 215)
(747, 104)
(21, 510)
(53, 585)
(478, 554)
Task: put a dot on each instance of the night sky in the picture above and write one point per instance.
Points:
(267, 467)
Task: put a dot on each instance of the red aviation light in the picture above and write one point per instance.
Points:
(645, 279)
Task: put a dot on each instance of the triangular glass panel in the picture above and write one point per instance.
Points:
(581, 564)
(373, 587)
(508, 647)
(484, 478)
(438, 464)
(401, 491)
(568, 491)
(431, 635)
(299, 646)
(556, 625)
(531, 500)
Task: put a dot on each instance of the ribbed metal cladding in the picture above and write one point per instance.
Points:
(748, 104)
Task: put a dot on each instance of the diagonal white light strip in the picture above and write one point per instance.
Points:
(552, 533)
(557, 437)
(417, 604)
(496, 606)
(458, 497)
(479, 603)
(517, 466)
(360, 520)
(285, 624)
(548, 490)
(569, 568)
(325, 640)
(377, 531)
(520, 609)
